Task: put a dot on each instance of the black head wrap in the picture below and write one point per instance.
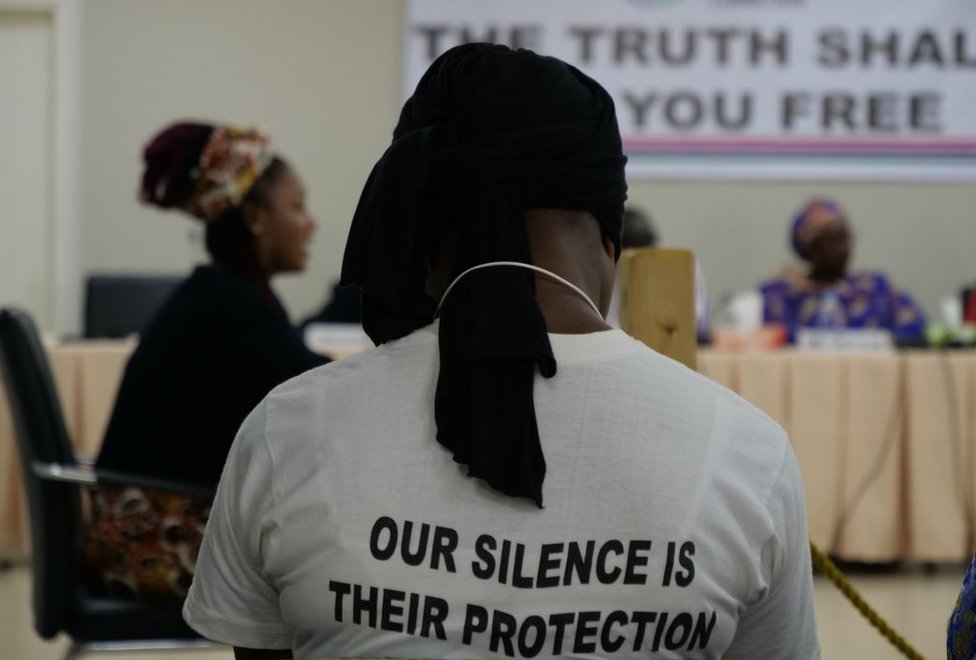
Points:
(488, 133)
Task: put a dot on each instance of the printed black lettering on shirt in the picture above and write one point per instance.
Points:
(421, 546)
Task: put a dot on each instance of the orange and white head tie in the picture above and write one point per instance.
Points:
(231, 163)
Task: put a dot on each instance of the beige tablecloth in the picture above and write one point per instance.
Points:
(886, 442)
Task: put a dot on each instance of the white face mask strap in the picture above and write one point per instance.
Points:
(519, 264)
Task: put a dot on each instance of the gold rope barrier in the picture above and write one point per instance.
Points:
(822, 562)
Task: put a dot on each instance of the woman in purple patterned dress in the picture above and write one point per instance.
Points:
(827, 295)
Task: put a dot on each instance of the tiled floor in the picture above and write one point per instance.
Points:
(915, 603)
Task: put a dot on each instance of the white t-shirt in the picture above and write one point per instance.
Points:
(673, 526)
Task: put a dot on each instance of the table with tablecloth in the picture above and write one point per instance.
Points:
(886, 442)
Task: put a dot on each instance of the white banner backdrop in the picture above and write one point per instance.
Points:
(822, 89)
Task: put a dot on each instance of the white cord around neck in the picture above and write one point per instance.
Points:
(518, 264)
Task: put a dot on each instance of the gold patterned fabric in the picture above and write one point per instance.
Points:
(233, 160)
(142, 544)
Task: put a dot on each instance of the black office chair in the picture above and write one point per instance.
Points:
(117, 306)
(54, 481)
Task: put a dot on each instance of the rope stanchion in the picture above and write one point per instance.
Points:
(823, 563)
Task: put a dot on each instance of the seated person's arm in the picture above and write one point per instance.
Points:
(901, 315)
(775, 303)
(909, 319)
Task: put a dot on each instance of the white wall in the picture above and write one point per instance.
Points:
(323, 77)
(26, 181)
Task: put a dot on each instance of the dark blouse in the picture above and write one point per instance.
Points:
(216, 348)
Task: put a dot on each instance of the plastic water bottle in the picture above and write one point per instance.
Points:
(831, 314)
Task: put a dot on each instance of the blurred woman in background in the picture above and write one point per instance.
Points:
(827, 295)
(218, 345)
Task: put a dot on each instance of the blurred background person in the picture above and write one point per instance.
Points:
(223, 339)
(826, 295)
(639, 231)
(217, 346)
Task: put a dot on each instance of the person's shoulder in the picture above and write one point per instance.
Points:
(204, 278)
(753, 446)
(309, 414)
(753, 430)
(756, 447)
(213, 280)
(210, 294)
(684, 381)
(870, 282)
(745, 412)
(393, 361)
(333, 374)
(789, 278)
(774, 286)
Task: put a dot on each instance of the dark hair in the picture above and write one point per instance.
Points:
(638, 230)
(169, 181)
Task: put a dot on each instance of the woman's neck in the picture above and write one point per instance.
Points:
(824, 277)
(564, 310)
(243, 267)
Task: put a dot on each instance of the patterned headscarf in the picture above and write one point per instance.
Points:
(233, 160)
(814, 218)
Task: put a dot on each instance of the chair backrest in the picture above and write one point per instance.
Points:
(117, 306)
(54, 507)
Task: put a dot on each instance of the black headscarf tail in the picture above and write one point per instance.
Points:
(488, 133)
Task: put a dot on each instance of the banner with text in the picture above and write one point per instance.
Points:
(835, 89)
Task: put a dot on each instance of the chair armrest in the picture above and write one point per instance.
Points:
(120, 478)
(67, 473)
(85, 476)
